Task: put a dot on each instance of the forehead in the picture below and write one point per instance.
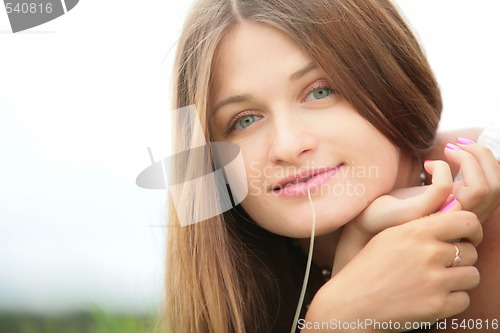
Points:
(254, 52)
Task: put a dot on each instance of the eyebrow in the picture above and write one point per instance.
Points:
(246, 97)
(231, 100)
(300, 73)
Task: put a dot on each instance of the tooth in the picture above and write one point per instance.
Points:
(307, 178)
(296, 181)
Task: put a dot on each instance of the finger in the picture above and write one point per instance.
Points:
(487, 162)
(434, 195)
(462, 278)
(452, 205)
(408, 204)
(483, 155)
(441, 174)
(455, 225)
(447, 253)
(456, 302)
(457, 184)
(466, 253)
(475, 185)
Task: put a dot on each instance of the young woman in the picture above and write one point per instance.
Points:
(333, 105)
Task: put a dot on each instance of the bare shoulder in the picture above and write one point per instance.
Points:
(484, 308)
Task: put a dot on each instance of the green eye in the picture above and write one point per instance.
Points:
(242, 121)
(319, 94)
(246, 121)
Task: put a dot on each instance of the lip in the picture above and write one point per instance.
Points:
(318, 178)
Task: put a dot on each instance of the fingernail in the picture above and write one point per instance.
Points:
(447, 207)
(464, 141)
(451, 146)
(427, 161)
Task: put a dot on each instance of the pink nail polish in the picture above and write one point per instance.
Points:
(451, 146)
(464, 141)
(447, 207)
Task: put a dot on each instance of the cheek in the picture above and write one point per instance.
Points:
(375, 162)
(262, 212)
(383, 169)
(255, 179)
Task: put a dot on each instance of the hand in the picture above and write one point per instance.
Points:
(395, 208)
(479, 189)
(406, 204)
(403, 274)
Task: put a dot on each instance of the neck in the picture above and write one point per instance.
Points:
(324, 248)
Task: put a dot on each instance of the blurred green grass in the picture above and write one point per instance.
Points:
(94, 321)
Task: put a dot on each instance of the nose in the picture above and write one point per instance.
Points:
(292, 140)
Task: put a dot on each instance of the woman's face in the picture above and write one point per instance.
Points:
(269, 98)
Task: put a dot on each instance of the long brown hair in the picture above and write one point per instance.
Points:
(226, 274)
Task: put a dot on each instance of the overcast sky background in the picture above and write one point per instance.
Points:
(75, 230)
